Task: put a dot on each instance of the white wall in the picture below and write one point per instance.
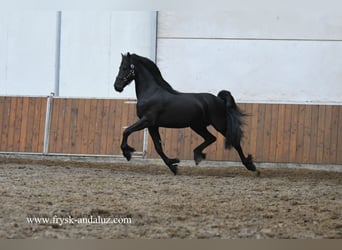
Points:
(261, 56)
(91, 43)
(27, 46)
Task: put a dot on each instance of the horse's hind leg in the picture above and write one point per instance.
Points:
(171, 163)
(247, 161)
(208, 139)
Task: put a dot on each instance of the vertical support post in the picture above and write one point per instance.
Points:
(154, 27)
(58, 51)
(47, 123)
(153, 56)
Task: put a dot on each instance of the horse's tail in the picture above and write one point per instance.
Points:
(234, 131)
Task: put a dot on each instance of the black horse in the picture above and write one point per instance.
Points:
(159, 105)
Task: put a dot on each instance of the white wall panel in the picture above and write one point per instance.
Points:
(255, 70)
(251, 24)
(27, 45)
(92, 43)
(3, 52)
(91, 47)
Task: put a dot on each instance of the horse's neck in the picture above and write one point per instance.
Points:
(145, 83)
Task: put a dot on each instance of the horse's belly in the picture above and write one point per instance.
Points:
(180, 118)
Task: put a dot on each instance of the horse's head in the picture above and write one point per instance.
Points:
(126, 73)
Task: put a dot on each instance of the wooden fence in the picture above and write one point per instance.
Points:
(273, 133)
(289, 133)
(91, 126)
(22, 121)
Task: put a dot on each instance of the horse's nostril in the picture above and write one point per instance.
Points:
(118, 89)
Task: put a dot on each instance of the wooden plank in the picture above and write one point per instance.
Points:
(267, 132)
(293, 133)
(314, 133)
(2, 118)
(98, 126)
(2, 105)
(184, 151)
(307, 134)
(23, 130)
(42, 125)
(186, 144)
(300, 134)
(173, 144)
(41, 121)
(30, 125)
(327, 134)
(36, 124)
(320, 134)
(254, 130)
(179, 141)
(61, 125)
(167, 143)
(5, 123)
(70, 123)
(11, 123)
(339, 141)
(83, 126)
(77, 118)
(65, 123)
(334, 134)
(280, 133)
(83, 117)
(18, 124)
(287, 133)
(104, 129)
(113, 146)
(273, 133)
(260, 132)
(53, 126)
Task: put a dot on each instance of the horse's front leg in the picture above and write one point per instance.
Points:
(126, 149)
(171, 163)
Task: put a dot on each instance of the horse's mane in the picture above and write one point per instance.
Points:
(152, 67)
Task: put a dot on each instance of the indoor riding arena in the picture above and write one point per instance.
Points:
(62, 173)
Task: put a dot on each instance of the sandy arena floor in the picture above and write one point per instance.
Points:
(200, 202)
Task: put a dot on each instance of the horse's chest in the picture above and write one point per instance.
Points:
(144, 108)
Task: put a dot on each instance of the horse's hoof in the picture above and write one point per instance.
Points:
(127, 152)
(199, 157)
(173, 168)
(172, 164)
(249, 163)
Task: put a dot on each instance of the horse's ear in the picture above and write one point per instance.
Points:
(128, 54)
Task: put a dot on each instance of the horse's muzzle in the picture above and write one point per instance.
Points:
(118, 89)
